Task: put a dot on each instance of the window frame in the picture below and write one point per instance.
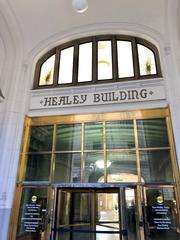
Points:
(94, 39)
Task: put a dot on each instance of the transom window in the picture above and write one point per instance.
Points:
(96, 60)
(110, 149)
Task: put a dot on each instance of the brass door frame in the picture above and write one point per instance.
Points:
(82, 118)
(93, 191)
(97, 117)
(121, 202)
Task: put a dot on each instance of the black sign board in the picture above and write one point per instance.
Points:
(161, 217)
(32, 217)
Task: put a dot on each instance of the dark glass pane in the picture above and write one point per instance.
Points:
(81, 207)
(94, 167)
(152, 133)
(75, 214)
(68, 137)
(75, 206)
(32, 216)
(93, 136)
(67, 167)
(41, 139)
(76, 232)
(131, 210)
(161, 214)
(121, 167)
(120, 134)
(38, 167)
(156, 166)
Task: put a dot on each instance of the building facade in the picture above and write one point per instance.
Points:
(89, 120)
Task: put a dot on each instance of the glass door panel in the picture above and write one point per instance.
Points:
(100, 214)
(107, 216)
(131, 212)
(32, 222)
(74, 216)
(160, 214)
(88, 214)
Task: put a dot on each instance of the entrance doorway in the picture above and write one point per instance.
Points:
(113, 175)
(122, 213)
(96, 214)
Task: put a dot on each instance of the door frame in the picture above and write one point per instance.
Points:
(105, 188)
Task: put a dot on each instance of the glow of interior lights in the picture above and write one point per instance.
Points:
(100, 164)
(80, 6)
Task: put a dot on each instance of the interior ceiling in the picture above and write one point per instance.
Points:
(41, 19)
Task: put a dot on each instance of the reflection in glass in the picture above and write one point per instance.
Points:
(161, 214)
(68, 137)
(86, 213)
(75, 214)
(125, 59)
(47, 72)
(110, 227)
(66, 65)
(104, 60)
(152, 133)
(74, 207)
(81, 207)
(120, 134)
(131, 204)
(146, 60)
(32, 217)
(85, 62)
(123, 167)
(64, 207)
(92, 173)
(38, 167)
(93, 136)
(107, 215)
(67, 167)
(107, 207)
(41, 139)
(156, 166)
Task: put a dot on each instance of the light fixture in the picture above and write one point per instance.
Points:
(80, 6)
(100, 164)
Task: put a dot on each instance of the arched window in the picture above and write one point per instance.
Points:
(99, 59)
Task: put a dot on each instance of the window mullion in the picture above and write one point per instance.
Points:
(135, 59)
(114, 59)
(53, 157)
(56, 68)
(82, 164)
(75, 64)
(137, 151)
(105, 152)
(94, 60)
